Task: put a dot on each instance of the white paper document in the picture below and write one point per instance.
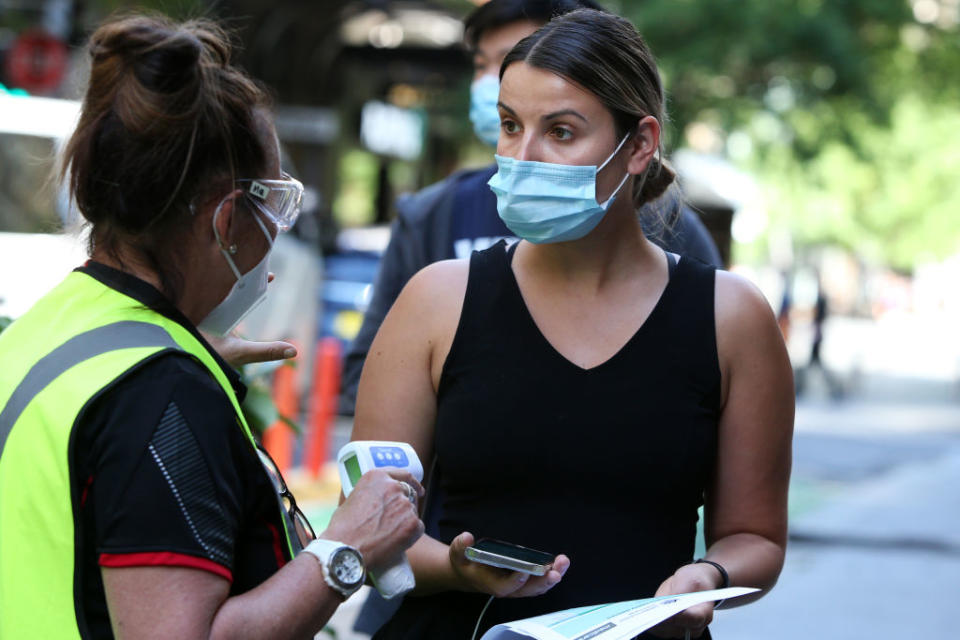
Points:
(615, 621)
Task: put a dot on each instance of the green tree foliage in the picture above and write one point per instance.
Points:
(844, 109)
(729, 55)
(890, 196)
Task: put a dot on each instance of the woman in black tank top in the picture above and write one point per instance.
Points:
(582, 392)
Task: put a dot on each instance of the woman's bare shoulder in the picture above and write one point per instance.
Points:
(429, 305)
(439, 286)
(402, 365)
(746, 325)
(443, 273)
(739, 302)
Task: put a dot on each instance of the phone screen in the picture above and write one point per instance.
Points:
(514, 551)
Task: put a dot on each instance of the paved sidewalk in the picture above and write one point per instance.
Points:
(880, 561)
(346, 614)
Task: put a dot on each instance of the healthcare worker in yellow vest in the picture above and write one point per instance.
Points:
(134, 502)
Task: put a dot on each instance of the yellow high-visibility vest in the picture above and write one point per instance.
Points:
(73, 345)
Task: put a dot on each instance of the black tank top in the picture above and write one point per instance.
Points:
(607, 465)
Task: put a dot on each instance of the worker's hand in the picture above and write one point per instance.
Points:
(237, 351)
(379, 518)
(687, 579)
(502, 583)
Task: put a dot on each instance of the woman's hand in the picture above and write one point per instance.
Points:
(237, 351)
(687, 579)
(501, 583)
(379, 518)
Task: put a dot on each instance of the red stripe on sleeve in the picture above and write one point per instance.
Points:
(86, 492)
(163, 559)
(277, 545)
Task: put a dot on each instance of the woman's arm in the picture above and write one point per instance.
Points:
(174, 602)
(746, 504)
(397, 400)
(397, 394)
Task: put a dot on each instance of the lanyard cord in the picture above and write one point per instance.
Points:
(477, 628)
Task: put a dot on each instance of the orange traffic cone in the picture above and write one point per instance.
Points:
(323, 404)
(278, 439)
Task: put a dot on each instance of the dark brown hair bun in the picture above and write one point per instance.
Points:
(166, 121)
(171, 67)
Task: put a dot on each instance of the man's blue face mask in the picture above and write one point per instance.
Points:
(484, 93)
(543, 202)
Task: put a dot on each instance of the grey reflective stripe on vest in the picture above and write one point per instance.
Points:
(112, 337)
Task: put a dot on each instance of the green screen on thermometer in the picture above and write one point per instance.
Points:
(352, 466)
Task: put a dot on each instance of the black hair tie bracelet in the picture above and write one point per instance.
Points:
(725, 577)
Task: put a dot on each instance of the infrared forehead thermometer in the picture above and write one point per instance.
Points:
(357, 458)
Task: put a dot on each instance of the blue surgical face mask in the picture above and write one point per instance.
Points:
(543, 202)
(484, 93)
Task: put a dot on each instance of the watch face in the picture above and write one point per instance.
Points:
(346, 567)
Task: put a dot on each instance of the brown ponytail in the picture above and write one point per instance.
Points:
(166, 123)
(660, 175)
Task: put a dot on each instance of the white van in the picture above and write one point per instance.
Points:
(40, 241)
(35, 252)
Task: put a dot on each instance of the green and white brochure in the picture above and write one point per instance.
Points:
(615, 621)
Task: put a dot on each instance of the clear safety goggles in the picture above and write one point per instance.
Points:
(279, 200)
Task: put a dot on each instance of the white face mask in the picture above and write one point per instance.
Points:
(248, 291)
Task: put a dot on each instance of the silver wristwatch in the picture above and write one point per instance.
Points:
(342, 565)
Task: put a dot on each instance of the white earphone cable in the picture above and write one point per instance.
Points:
(477, 628)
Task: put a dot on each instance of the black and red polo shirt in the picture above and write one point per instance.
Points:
(165, 476)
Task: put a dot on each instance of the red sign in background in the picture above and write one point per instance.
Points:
(36, 62)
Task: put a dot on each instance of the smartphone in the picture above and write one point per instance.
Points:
(510, 556)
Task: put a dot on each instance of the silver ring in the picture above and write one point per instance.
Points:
(411, 492)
